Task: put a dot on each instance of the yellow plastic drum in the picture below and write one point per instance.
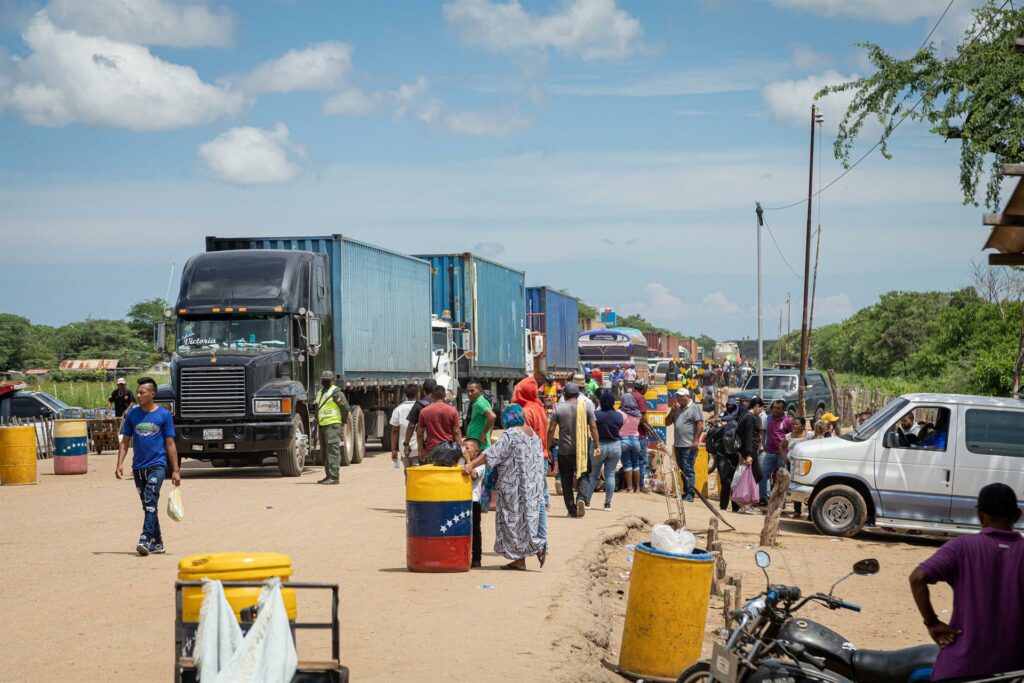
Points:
(17, 455)
(665, 612)
(234, 567)
(675, 386)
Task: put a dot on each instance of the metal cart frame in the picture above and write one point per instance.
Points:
(185, 670)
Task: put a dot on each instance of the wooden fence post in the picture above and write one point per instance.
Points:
(777, 500)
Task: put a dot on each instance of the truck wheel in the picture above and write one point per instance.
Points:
(839, 510)
(292, 462)
(358, 420)
(348, 442)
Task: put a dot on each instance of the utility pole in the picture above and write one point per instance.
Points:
(814, 288)
(760, 303)
(807, 269)
(789, 313)
(779, 342)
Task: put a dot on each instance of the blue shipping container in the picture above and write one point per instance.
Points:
(488, 298)
(556, 316)
(380, 304)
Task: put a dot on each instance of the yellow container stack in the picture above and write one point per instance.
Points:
(234, 567)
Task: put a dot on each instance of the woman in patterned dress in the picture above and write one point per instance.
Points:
(518, 457)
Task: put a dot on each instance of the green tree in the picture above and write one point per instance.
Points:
(102, 339)
(143, 315)
(15, 340)
(975, 96)
(586, 311)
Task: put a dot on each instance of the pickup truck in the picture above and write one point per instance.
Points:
(784, 384)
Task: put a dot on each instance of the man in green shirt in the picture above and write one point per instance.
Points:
(481, 416)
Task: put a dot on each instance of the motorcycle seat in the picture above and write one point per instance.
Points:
(895, 666)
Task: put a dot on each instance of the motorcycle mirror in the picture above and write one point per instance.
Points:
(867, 567)
(764, 560)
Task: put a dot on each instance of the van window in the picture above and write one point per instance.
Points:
(995, 432)
(933, 423)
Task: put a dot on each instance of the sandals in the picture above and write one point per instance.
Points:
(513, 566)
(542, 556)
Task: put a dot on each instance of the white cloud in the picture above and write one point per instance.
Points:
(832, 308)
(891, 11)
(664, 307)
(589, 29)
(354, 101)
(790, 101)
(69, 77)
(321, 66)
(253, 156)
(735, 76)
(493, 123)
(804, 57)
(146, 22)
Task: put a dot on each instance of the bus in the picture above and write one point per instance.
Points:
(613, 346)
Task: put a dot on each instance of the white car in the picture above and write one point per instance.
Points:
(925, 477)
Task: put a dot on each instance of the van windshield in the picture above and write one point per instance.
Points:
(879, 419)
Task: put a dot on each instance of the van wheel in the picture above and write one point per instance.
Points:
(293, 461)
(358, 420)
(839, 511)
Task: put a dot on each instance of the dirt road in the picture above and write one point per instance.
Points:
(79, 604)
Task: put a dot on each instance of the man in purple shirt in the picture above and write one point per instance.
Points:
(779, 424)
(986, 634)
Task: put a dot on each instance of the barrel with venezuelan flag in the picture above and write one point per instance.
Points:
(438, 519)
(70, 447)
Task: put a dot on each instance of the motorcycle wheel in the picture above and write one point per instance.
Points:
(696, 673)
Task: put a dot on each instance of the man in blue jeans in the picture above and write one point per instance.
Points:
(688, 424)
(149, 430)
(779, 425)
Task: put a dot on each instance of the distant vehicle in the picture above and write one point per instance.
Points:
(783, 384)
(723, 351)
(37, 404)
(924, 481)
(613, 346)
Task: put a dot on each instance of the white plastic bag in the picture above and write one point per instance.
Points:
(668, 540)
(175, 508)
(737, 476)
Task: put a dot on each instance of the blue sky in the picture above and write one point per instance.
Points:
(615, 149)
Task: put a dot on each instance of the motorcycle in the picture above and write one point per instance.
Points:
(769, 643)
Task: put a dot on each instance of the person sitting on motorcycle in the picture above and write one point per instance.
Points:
(986, 571)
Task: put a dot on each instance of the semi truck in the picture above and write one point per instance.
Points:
(553, 318)
(260, 318)
(478, 325)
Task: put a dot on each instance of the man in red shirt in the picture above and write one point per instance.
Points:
(438, 422)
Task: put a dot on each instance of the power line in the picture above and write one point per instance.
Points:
(778, 249)
(894, 127)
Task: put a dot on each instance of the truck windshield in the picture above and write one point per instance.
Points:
(239, 334)
(439, 339)
(773, 382)
(882, 417)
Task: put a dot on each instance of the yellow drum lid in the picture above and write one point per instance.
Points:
(235, 566)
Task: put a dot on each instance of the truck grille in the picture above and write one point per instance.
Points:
(212, 392)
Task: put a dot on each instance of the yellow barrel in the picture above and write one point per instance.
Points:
(70, 447)
(675, 386)
(17, 455)
(234, 567)
(665, 612)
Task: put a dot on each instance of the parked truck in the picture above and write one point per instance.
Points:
(478, 325)
(259, 319)
(553, 318)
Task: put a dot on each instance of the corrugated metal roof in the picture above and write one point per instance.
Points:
(97, 364)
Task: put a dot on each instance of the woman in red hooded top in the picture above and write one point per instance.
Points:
(527, 396)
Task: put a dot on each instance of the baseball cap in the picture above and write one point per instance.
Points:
(997, 500)
(682, 392)
(829, 417)
(121, 380)
(327, 374)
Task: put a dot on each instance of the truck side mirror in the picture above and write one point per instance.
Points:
(467, 340)
(538, 345)
(892, 440)
(313, 335)
(160, 336)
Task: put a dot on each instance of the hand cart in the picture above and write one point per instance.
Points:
(185, 670)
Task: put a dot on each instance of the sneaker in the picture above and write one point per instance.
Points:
(607, 507)
(142, 548)
(328, 481)
(475, 564)
(581, 508)
(688, 500)
(157, 549)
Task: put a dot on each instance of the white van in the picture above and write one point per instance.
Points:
(924, 475)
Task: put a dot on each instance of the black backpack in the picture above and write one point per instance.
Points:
(713, 442)
(731, 442)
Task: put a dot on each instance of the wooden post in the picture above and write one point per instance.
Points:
(716, 585)
(712, 534)
(727, 602)
(777, 500)
(737, 595)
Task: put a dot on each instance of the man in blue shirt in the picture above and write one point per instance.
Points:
(149, 430)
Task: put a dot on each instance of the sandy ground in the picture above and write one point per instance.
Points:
(79, 604)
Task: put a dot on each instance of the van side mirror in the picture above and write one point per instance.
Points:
(313, 335)
(160, 336)
(892, 440)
